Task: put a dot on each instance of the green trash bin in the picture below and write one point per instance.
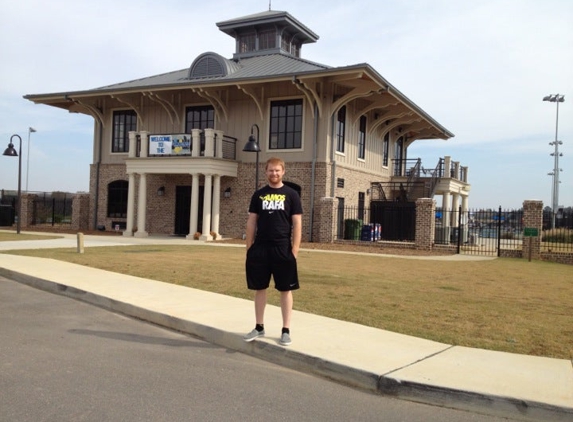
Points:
(352, 229)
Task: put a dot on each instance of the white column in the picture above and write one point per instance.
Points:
(456, 170)
(141, 206)
(455, 208)
(465, 216)
(216, 204)
(219, 143)
(194, 214)
(465, 201)
(207, 209)
(130, 205)
(195, 142)
(446, 208)
(209, 143)
(447, 166)
(132, 144)
(144, 137)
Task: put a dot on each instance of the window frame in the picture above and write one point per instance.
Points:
(292, 124)
(340, 132)
(362, 138)
(208, 123)
(120, 130)
(386, 149)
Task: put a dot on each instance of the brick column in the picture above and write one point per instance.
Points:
(81, 212)
(425, 223)
(325, 220)
(27, 209)
(532, 218)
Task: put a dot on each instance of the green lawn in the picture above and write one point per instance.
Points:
(504, 304)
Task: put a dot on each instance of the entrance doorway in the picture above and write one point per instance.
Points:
(183, 210)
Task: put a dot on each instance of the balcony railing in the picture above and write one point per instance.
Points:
(198, 143)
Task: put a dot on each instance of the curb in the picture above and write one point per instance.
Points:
(384, 384)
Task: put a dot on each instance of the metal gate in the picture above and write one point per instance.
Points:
(486, 231)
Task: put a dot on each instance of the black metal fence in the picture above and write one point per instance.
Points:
(383, 220)
(477, 231)
(48, 208)
(483, 231)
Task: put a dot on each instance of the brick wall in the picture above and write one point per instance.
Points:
(532, 218)
(425, 223)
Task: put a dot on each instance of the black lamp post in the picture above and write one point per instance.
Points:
(11, 152)
(252, 145)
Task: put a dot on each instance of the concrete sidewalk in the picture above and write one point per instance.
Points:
(516, 386)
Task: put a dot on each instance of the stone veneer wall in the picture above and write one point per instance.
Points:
(532, 218)
(81, 212)
(425, 223)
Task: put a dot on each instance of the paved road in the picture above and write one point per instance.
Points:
(63, 360)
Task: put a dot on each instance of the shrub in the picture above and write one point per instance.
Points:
(557, 236)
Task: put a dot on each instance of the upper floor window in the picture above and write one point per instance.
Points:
(267, 39)
(340, 129)
(124, 121)
(385, 147)
(247, 42)
(286, 124)
(199, 117)
(362, 138)
(117, 199)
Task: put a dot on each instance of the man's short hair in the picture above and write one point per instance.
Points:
(275, 161)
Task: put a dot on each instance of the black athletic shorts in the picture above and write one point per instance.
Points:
(264, 260)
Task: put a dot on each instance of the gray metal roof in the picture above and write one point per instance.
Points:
(252, 67)
(268, 18)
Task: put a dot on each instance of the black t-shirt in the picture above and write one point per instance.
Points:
(275, 208)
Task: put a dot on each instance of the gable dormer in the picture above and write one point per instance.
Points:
(267, 33)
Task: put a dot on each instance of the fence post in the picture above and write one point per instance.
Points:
(326, 228)
(460, 229)
(532, 218)
(499, 232)
(425, 223)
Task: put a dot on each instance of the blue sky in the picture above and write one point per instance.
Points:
(481, 69)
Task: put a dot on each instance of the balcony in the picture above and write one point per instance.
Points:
(410, 180)
(205, 151)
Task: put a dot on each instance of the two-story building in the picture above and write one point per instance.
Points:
(168, 150)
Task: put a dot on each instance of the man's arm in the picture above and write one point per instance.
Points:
(296, 233)
(251, 229)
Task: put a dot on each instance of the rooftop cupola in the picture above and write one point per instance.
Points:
(267, 33)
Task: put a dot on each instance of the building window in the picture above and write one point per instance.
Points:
(286, 124)
(285, 42)
(117, 199)
(201, 117)
(124, 121)
(340, 129)
(247, 42)
(385, 149)
(339, 182)
(267, 40)
(362, 138)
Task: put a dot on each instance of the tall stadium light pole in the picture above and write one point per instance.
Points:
(11, 152)
(30, 130)
(555, 173)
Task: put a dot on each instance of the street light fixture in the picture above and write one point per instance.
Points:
(11, 152)
(30, 130)
(555, 173)
(252, 145)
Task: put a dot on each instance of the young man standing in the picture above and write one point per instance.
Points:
(274, 230)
